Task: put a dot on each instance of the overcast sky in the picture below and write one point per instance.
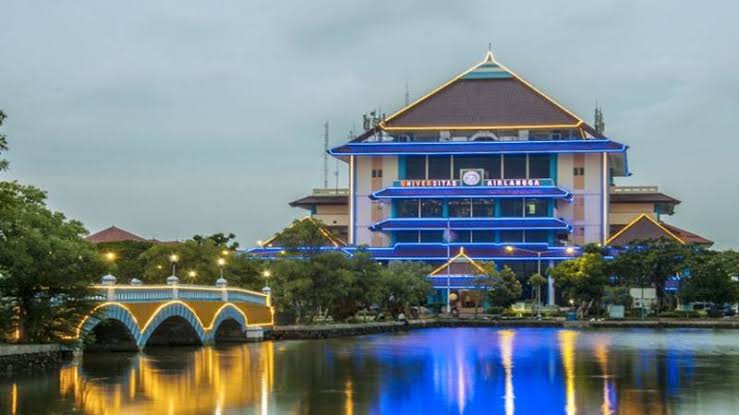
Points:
(171, 118)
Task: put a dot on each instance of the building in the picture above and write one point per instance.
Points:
(114, 234)
(486, 167)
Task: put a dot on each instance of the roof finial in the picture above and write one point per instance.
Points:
(489, 55)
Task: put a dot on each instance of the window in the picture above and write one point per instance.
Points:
(407, 208)
(539, 166)
(376, 173)
(490, 164)
(483, 236)
(415, 167)
(460, 208)
(536, 208)
(537, 236)
(511, 236)
(432, 236)
(483, 208)
(440, 167)
(461, 236)
(431, 208)
(406, 236)
(514, 167)
(578, 171)
(512, 208)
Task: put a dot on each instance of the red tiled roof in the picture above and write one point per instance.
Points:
(114, 234)
(688, 237)
(644, 227)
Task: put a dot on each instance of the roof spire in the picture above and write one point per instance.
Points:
(489, 54)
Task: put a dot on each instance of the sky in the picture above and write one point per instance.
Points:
(175, 118)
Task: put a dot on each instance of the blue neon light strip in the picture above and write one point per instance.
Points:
(413, 224)
(486, 147)
(466, 192)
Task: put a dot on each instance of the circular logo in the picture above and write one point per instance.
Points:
(471, 178)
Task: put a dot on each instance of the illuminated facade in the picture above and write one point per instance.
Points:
(489, 166)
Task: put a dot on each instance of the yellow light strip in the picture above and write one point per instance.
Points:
(187, 287)
(215, 316)
(160, 308)
(92, 313)
(484, 127)
(460, 254)
(637, 219)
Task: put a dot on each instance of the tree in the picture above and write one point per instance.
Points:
(404, 284)
(651, 263)
(536, 281)
(198, 264)
(363, 285)
(304, 237)
(483, 281)
(506, 289)
(582, 280)
(712, 278)
(3, 144)
(220, 239)
(125, 263)
(46, 267)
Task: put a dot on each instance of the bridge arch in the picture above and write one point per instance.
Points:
(165, 312)
(111, 311)
(227, 312)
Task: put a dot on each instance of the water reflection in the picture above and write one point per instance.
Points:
(433, 371)
(204, 380)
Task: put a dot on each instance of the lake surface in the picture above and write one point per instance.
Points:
(429, 371)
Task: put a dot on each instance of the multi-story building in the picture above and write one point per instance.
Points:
(486, 167)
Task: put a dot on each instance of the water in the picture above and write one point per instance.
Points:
(431, 371)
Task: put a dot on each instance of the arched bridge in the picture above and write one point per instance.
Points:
(135, 316)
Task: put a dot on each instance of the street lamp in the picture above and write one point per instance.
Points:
(192, 274)
(173, 259)
(569, 250)
(266, 274)
(221, 264)
(110, 256)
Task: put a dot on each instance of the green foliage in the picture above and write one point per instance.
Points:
(651, 262)
(617, 296)
(582, 279)
(46, 267)
(3, 144)
(198, 264)
(711, 278)
(126, 264)
(483, 282)
(537, 280)
(220, 239)
(506, 289)
(303, 236)
(404, 284)
(330, 284)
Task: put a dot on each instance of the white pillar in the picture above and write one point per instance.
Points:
(550, 286)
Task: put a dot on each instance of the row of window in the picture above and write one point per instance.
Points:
(522, 166)
(472, 208)
(472, 236)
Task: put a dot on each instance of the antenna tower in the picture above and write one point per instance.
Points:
(325, 155)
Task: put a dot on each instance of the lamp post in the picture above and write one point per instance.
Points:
(173, 259)
(110, 258)
(192, 274)
(266, 274)
(569, 250)
(221, 264)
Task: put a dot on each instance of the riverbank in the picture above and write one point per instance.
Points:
(304, 332)
(16, 358)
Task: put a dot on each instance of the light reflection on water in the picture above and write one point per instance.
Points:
(432, 371)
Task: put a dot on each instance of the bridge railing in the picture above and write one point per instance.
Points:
(153, 293)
